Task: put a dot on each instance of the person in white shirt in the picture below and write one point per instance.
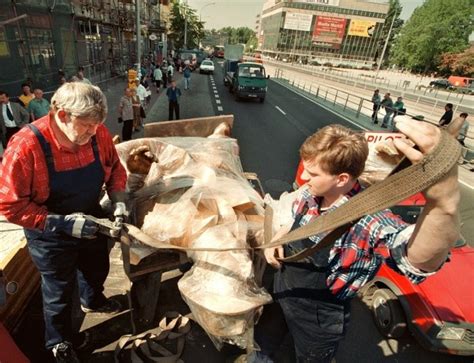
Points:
(158, 75)
(170, 72)
(141, 92)
(12, 117)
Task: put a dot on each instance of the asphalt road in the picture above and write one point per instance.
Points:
(269, 136)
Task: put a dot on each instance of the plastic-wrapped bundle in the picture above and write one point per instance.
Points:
(196, 196)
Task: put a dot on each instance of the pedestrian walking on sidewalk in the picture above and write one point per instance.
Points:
(173, 93)
(12, 118)
(158, 75)
(399, 108)
(137, 106)
(376, 101)
(187, 77)
(447, 116)
(170, 71)
(164, 71)
(26, 95)
(126, 114)
(38, 106)
(387, 103)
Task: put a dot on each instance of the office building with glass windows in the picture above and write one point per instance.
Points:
(332, 31)
(40, 39)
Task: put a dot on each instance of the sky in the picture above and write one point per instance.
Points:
(236, 13)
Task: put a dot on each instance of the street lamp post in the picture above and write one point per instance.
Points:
(385, 45)
(185, 25)
(200, 18)
(139, 36)
(202, 7)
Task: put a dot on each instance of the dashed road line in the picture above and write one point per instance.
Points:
(218, 102)
(219, 108)
(279, 109)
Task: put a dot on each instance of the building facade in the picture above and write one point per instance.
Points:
(334, 31)
(41, 38)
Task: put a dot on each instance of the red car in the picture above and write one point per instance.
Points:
(439, 312)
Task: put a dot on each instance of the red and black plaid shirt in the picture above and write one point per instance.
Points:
(24, 179)
(353, 260)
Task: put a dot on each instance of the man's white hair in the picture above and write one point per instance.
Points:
(80, 100)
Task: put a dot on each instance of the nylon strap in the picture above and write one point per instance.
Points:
(382, 195)
(145, 346)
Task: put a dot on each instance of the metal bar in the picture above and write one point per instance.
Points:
(359, 108)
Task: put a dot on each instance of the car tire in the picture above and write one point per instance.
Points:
(236, 96)
(388, 314)
(262, 99)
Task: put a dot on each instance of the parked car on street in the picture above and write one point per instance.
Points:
(207, 66)
(440, 83)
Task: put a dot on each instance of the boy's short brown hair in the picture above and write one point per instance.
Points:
(337, 150)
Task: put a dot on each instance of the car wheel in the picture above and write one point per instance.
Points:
(236, 95)
(262, 99)
(388, 314)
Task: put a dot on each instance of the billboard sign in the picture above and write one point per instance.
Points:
(320, 2)
(328, 29)
(361, 28)
(297, 21)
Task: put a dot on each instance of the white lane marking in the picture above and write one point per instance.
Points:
(215, 91)
(219, 108)
(465, 183)
(325, 107)
(218, 102)
(279, 109)
(216, 96)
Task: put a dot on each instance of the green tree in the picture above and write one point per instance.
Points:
(436, 27)
(195, 28)
(237, 35)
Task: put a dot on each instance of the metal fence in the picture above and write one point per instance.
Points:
(410, 90)
(358, 107)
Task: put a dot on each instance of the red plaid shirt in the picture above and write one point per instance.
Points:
(353, 260)
(24, 179)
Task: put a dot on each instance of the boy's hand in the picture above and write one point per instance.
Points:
(271, 255)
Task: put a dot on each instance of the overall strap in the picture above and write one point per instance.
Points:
(44, 146)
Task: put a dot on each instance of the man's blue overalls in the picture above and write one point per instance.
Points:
(62, 260)
(304, 306)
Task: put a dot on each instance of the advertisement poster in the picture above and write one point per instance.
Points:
(297, 21)
(320, 2)
(329, 29)
(361, 28)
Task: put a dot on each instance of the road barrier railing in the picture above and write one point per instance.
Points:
(359, 107)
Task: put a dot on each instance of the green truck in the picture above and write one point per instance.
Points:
(246, 80)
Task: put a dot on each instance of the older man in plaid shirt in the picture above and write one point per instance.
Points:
(313, 296)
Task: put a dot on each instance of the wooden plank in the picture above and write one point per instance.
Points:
(21, 271)
(200, 126)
